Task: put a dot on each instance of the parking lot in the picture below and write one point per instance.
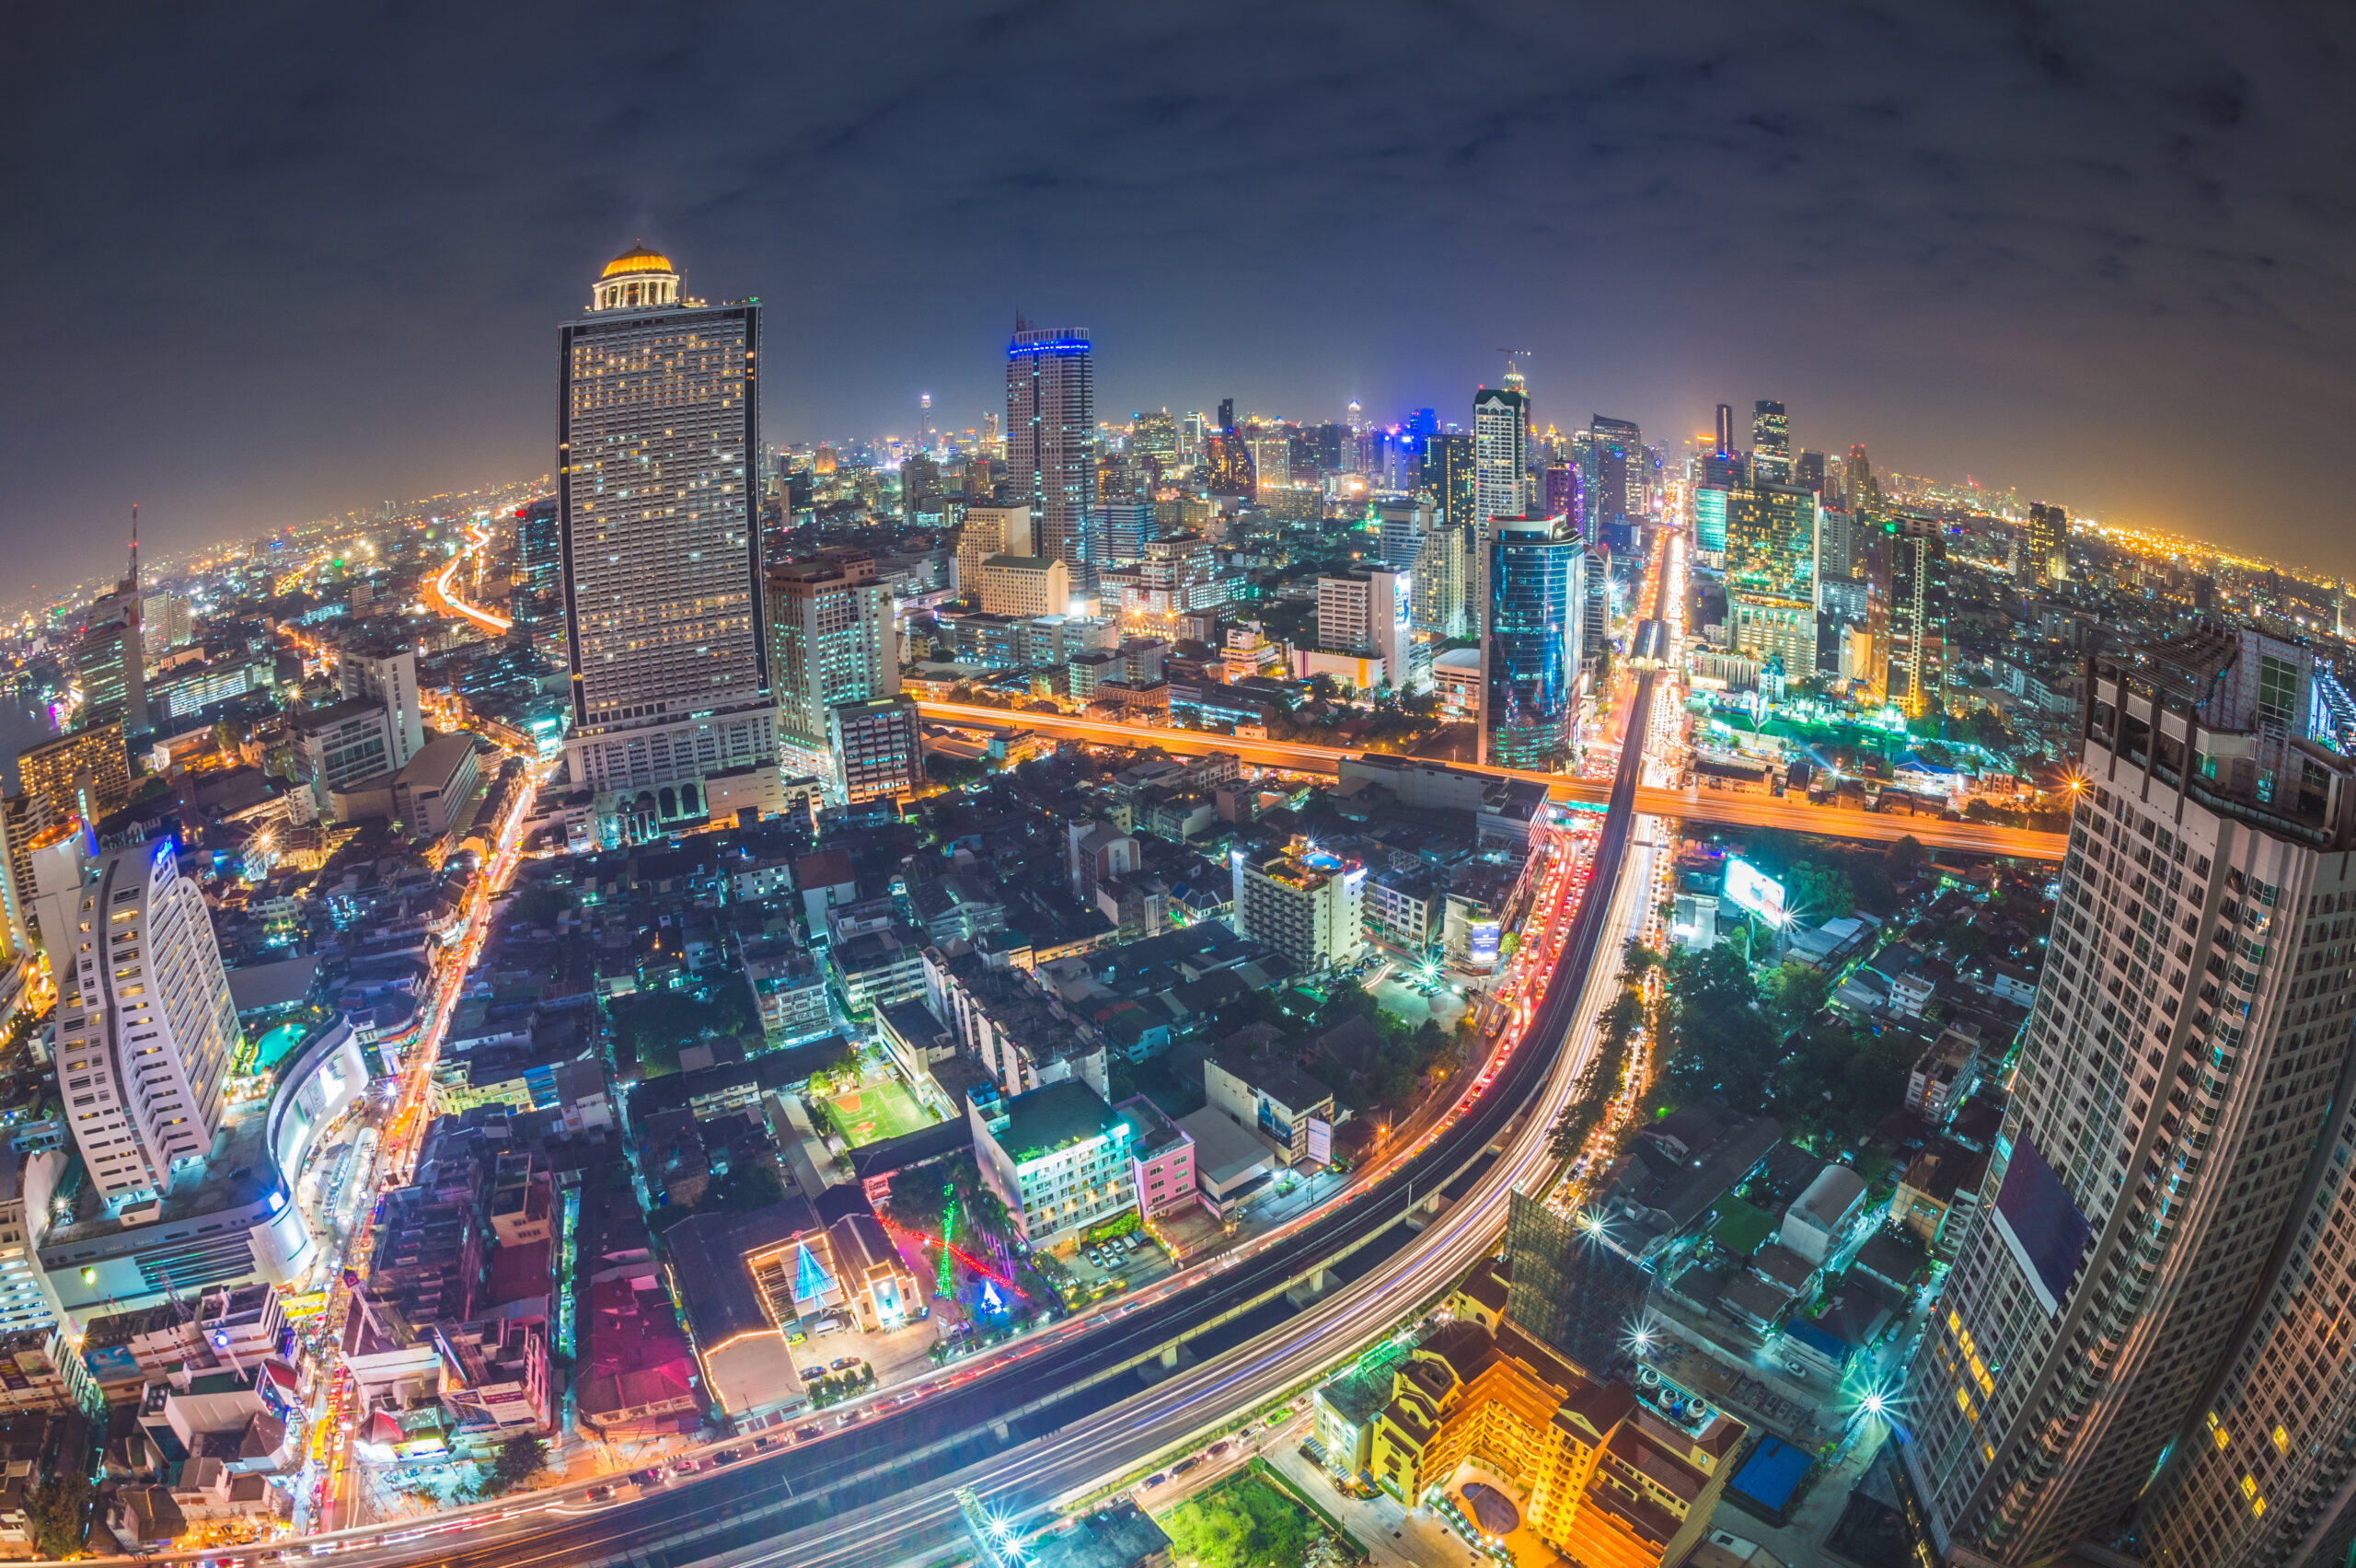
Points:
(1114, 1267)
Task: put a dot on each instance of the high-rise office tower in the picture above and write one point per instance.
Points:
(924, 421)
(1710, 520)
(1770, 443)
(1595, 613)
(164, 621)
(2144, 1328)
(1271, 459)
(1401, 526)
(658, 424)
(1051, 436)
(1566, 498)
(1770, 574)
(1725, 441)
(991, 531)
(388, 676)
(993, 442)
(1228, 457)
(1155, 435)
(1906, 615)
(1537, 595)
(833, 642)
(110, 660)
(1500, 453)
(539, 564)
(1371, 614)
(1450, 475)
(1863, 492)
(874, 748)
(145, 1025)
(1807, 471)
(1619, 448)
(2042, 559)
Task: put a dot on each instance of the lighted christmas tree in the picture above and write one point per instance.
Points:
(947, 1281)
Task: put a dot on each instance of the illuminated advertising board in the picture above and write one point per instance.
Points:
(1481, 951)
(1751, 889)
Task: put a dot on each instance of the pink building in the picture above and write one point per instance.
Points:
(1161, 1159)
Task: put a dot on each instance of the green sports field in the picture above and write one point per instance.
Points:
(875, 1111)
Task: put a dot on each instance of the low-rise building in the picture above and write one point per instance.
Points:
(1286, 1108)
(1608, 1476)
(1161, 1159)
(1944, 1074)
(1821, 1216)
(1058, 1158)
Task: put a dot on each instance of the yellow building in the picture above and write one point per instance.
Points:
(1607, 1478)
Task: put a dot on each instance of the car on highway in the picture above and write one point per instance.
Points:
(852, 1418)
(803, 1434)
(1157, 1477)
(1183, 1466)
(651, 1476)
(598, 1493)
(727, 1456)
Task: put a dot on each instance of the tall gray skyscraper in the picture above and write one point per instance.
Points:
(1051, 437)
(658, 424)
(2146, 1326)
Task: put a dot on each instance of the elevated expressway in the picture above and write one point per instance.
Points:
(1069, 1410)
(1724, 806)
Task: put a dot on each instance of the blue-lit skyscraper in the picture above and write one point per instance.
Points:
(1051, 438)
(1710, 520)
(1529, 658)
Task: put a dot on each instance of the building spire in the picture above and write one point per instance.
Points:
(135, 549)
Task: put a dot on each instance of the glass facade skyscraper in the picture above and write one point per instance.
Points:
(1530, 657)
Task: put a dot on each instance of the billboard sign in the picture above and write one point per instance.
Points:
(1751, 889)
(1321, 1141)
(1481, 951)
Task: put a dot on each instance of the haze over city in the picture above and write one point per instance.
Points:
(285, 271)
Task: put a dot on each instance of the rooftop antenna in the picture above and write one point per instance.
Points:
(135, 549)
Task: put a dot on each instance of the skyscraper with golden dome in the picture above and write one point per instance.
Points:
(658, 427)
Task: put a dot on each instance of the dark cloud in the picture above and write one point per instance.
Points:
(272, 262)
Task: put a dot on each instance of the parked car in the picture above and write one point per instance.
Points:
(844, 1363)
(810, 1374)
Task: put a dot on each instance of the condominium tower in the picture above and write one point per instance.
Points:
(1501, 484)
(2145, 1330)
(832, 637)
(658, 422)
(145, 1025)
(1051, 436)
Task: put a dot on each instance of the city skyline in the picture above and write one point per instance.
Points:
(1992, 249)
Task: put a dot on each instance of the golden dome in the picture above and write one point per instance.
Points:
(637, 259)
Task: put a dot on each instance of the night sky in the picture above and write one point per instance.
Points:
(272, 263)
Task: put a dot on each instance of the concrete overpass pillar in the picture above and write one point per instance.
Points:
(1170, 1355)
